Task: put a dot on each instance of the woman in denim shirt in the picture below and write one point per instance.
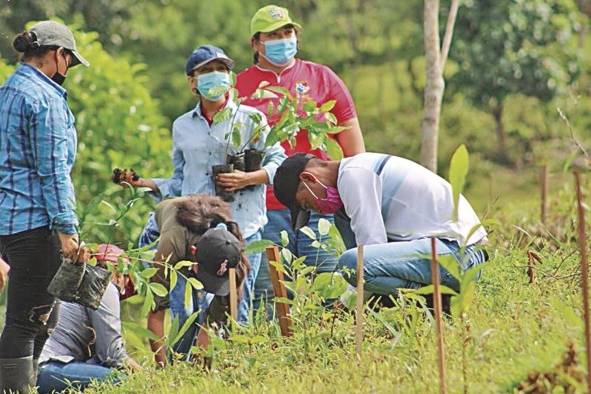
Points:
(37, 152)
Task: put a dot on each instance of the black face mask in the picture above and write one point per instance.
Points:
(58, 77)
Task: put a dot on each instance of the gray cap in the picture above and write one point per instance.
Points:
(50, 33)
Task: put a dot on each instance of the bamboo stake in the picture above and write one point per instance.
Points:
(359, 308)
(584, 272)
(233, 295)
(282, 309)
(438, 316)
(543, 192)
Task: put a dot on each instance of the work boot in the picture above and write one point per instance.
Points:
(17, 375)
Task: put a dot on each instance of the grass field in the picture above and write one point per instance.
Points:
(512, 329)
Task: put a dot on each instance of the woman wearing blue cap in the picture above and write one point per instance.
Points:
(200, 143)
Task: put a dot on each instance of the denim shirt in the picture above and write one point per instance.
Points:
(197, 146)
(37, 152)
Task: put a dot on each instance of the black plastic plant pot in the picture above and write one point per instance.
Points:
(237, 161)
(93, 286)
(252, 160)
(219, 190)
(66, 281)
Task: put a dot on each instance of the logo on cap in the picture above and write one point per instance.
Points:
(277, 13)
(223, 268)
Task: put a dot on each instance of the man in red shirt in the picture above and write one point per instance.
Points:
(274, 43)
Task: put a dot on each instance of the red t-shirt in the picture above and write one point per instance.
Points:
(307, 81)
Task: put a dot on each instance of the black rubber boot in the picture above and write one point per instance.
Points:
(17, 375)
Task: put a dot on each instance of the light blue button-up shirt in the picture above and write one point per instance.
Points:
(37, 152)
(197, 146)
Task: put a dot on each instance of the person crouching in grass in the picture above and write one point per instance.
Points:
(195, 228)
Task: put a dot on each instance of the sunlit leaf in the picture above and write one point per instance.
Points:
(458, 169)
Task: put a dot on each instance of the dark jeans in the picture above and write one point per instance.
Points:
(57, 376)
(34, 257)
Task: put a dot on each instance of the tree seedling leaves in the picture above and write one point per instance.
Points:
(158, 289)
(452, 266)
(458, 169)
(257, 246)
(280, 90)
(278, 266)
(195, 283)
(324, 226)
(284, 238)
(182, 264)
(333, 149)
(310, 106)
(148, 302)
(430, 288)
(173, 279)
(138, 330)
(327, 106)
(149, 272)
(286, 255)
(188, 296)
(308, 232)
(190, 320)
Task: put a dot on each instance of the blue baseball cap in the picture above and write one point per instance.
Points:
(205, 54)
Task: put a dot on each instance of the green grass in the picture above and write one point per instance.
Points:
(514, 328)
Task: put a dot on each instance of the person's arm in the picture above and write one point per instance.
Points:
(49, 139)
(361, 191)
(106, 323)
(171, 187)
(351, 139)
(156, 326)
(161, 187)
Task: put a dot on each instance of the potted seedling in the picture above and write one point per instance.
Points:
(295, 115)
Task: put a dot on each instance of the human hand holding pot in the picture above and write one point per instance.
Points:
(71, 249)
(130, 177)
(237, 180)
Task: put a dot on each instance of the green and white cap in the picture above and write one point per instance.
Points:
(270, 18)
(54, 34)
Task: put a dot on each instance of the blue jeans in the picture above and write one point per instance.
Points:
(406, 264)
(56, 376)
(299, 245)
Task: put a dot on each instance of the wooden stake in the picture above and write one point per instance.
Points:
(438, 316)
(543, 193)
(359, 308)
(282, 309)
(584, 272)
(233, 295)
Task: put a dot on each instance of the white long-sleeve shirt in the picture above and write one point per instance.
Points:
(399, 200)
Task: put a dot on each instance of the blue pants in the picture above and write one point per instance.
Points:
(406, 264)
(57, 376)
(299, 245)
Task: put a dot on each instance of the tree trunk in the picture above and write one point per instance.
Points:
(497, 113)
(433, 87)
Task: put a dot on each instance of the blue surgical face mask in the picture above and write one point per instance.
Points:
(214, 85)
(281, 52)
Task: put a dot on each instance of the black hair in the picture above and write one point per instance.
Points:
(27, 44)
(255, 56)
